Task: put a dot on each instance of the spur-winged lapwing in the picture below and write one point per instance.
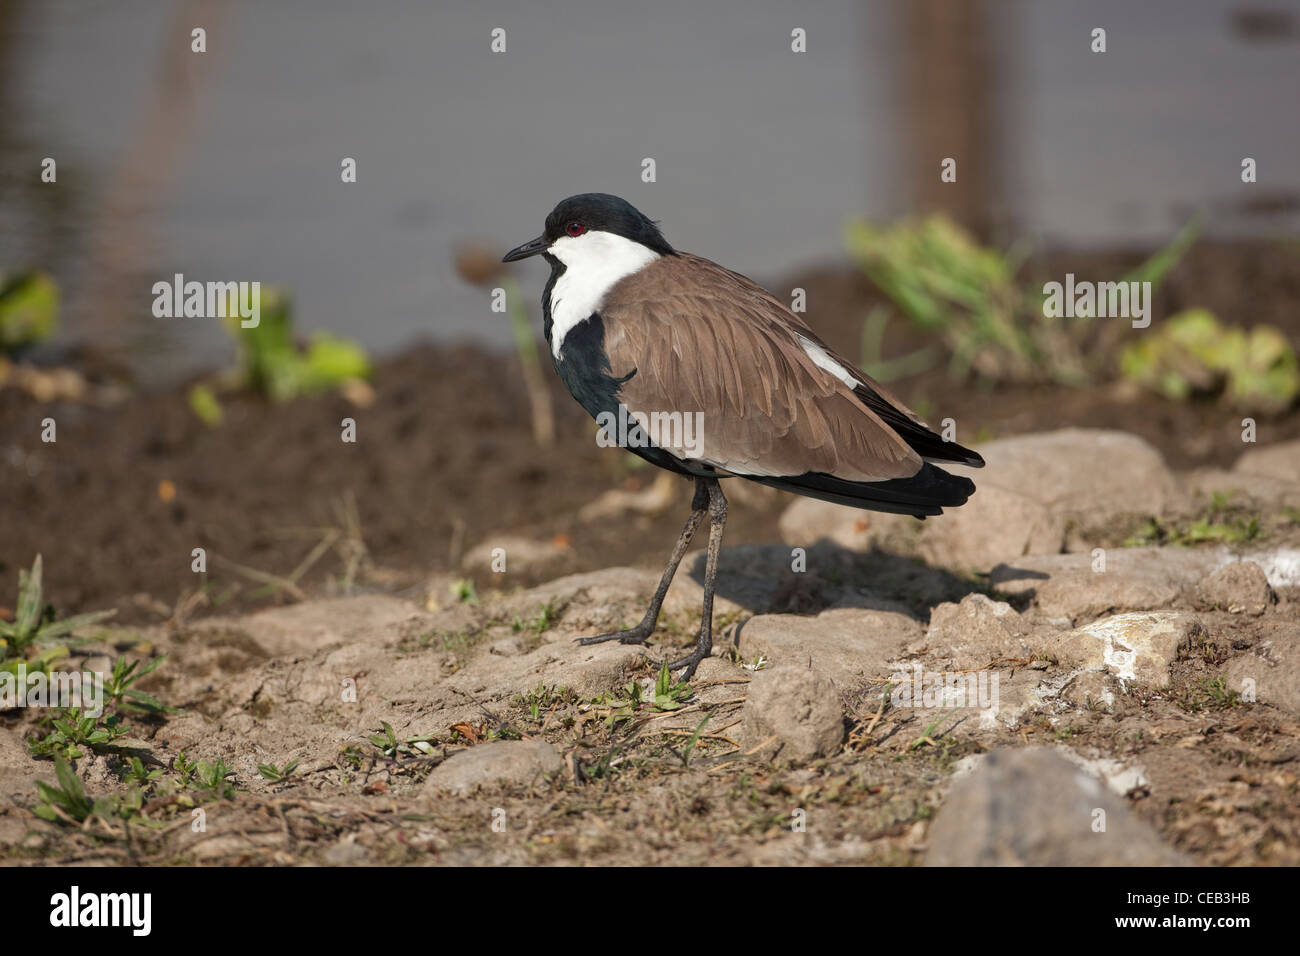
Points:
(710, 376)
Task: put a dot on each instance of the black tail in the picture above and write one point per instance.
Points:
(927, 492)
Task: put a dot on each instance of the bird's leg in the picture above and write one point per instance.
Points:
(641, 633)
(717, 521)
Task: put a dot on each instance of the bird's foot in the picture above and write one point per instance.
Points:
(632, 635)
(691, 660)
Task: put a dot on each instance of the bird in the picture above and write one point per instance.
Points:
(658, 340)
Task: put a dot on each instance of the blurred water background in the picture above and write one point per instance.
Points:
(226, 165)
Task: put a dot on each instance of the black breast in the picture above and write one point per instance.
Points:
(583, 366)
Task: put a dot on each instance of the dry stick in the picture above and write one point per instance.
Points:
(263, 577)
(876, 719)
(326, 541)
(713, 736)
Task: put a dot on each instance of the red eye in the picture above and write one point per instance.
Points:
(575, 229)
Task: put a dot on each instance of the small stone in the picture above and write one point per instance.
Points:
(1238, 588)
(843, 644)
(1090, 690)
(508, 558)
(1280, 460)
(975, 632)
(1080, 587)
(499, 762)
(1271, 674)
(1034, 807)
(1134, 647)
(794, 713)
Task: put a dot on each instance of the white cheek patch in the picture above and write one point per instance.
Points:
(594, 262)
(824, 361)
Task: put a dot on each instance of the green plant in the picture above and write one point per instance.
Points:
(668, 694)
(70, 731)
(205, 404)
(34, 625)
(1192, 353)
(121, 692)
(29, 310)
(539, 624)
(135, 770)
(543, 696)
(270, 771)
(211, 780)
(947, 284)
(387, 743)
(691, 741)
(271, 363)
(464, 591)
(66, 803)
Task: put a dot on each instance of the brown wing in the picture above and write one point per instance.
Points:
(699, 338)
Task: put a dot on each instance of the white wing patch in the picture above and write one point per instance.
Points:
(594, 262)
(824, 361)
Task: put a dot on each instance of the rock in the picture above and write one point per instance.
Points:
(1090, 689)
(314, 624)
(1271, 673)
(1134, 647)
(844, 644)
(520, 557)
(975, 632)
(1032, 491)
(516, 762)
(1280, 460)
(1241, 488)
(1070, 586)
(1033, 807)
(1238, 588)
(798, 707)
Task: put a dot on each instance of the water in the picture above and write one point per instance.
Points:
(761, 153)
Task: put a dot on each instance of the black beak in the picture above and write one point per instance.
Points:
(531, 248)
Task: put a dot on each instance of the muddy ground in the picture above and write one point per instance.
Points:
(294, 521)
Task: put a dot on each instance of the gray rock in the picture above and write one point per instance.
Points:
(1080, 587)
(1271, 672)
(517, 762)
(1033, 807)
(1138, 646)
(1241, 487)
(304, 627)
(1280, 460)
(799, 708)
(522, 557)
(975, 632)
(1033, 489)
(845, 644)
(1239, 588)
